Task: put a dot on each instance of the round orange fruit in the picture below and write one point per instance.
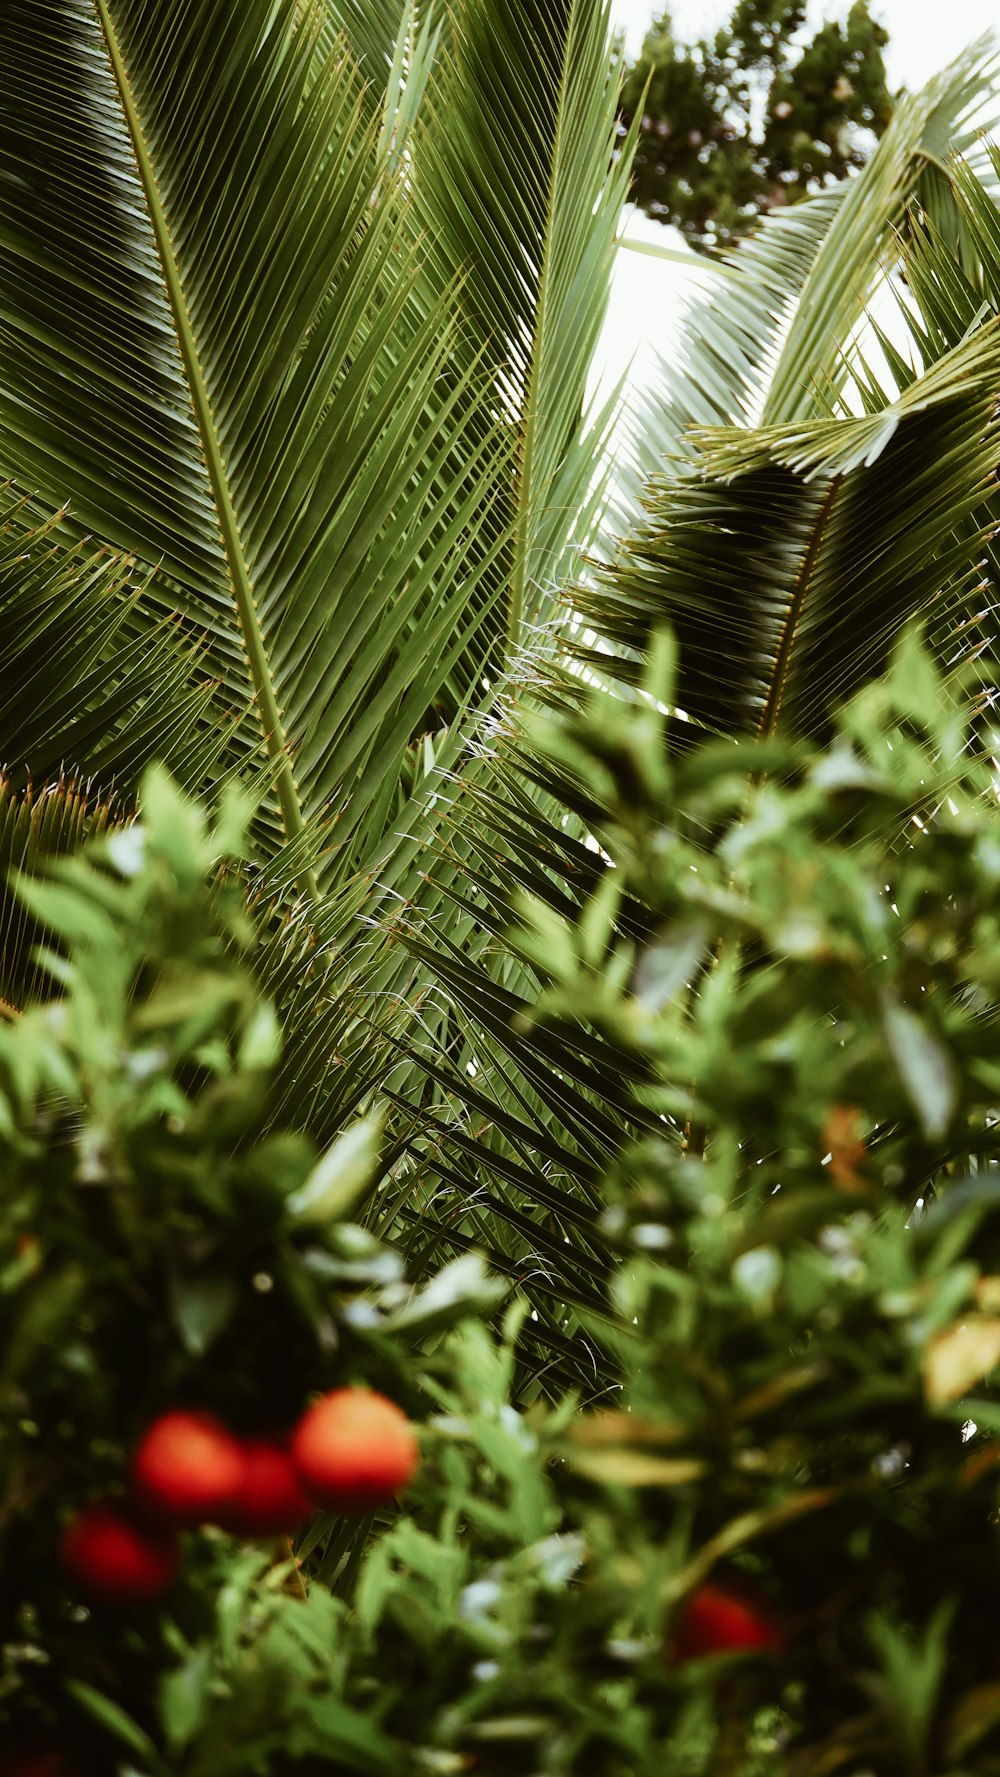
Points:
(116, 1560)
(270, 1500)
(187, 1468)
(353, 1449)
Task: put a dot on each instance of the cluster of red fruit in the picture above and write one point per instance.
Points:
(350, 1452)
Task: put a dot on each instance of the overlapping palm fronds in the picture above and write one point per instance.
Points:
(297, 306)
(789, 557)
(767, 337)
(786, 555)
(785, 537)
(331, 438)
(522, 179)
(228, 369)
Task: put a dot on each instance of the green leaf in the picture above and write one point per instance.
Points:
(184, 1698)
(636, 1468)
(669, 964)
(334, 1731)
(522, 178)
(274, 405)
(68, 912)
(460, 1288)
(86, 691)
(925, 1066)
(202, 1303)
(866, 234)
(337, 1183)
(175, 827)
(260, 1040)
(117, 1722)
(912, 1672)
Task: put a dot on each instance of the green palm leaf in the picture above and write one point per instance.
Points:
(788, 558)
(37, 825)
(865, 239)
(521, 177)
(218, 355)
(752, 600)
(266, 352)
(373, 33)
(767, 336)
(89, 690)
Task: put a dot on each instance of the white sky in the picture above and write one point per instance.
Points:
(923, 34)
(647, 294)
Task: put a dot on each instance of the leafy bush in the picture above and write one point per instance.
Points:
(809, 1253)
(776, 1546)
(156, 1251)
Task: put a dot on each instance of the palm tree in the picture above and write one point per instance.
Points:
(315, 434)
(794, 445)
(799, 507)
(299, 303)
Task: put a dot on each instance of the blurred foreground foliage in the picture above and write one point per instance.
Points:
(804, 1306)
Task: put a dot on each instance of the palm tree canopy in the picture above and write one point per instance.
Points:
(243, 339)
(297, 307)
(787, 535)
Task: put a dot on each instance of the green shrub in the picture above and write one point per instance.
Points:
(157, 1251)
(805, 1308)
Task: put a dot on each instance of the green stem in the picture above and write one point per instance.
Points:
(523, 524)
(275, 738)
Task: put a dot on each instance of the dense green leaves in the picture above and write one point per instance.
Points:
(787, 558)
(332, 401)
(307, 362)
(798, 1289)
(155, 1248)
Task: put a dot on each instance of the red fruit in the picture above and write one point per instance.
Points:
(36, 1764)
(270, 1500)
(187, 1468)
(115, 1559)
(353, 1450)
(714, 1621)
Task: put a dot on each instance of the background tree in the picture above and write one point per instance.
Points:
(755, 117)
